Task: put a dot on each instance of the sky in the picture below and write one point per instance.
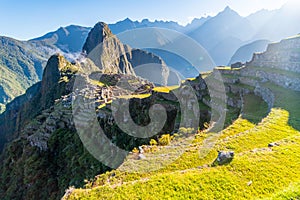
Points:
(27, 19)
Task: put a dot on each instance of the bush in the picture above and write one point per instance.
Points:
(135, 150)
(165, 139)
(153, 142)
(185, 131)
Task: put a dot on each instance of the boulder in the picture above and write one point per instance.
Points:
(224, 157)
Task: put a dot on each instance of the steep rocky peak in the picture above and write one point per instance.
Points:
(96, 36)
(51, 73)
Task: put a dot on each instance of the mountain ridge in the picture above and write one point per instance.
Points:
(59, 41)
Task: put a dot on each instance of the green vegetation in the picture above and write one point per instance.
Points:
(223, 68)
(292, 37)
(137, 96)
(10, 85)
(254, 115)
(66, 156)
(21, 65)
(165, 89)
(292, 192)
(175, 166)
(98, 83)
(205, 74)
(277, 71)
(165, 140)
(256, 172)
(288, 100)
(153, 142)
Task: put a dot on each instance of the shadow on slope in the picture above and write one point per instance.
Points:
(288, 100)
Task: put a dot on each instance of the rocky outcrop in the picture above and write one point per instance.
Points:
(111, 56)
(96, 36)
(45, 153)
(37, 98)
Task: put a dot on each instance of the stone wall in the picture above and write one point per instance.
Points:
(266, 94)
(284, 55)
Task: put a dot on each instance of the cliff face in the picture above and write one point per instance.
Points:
(37, 98)
(111, 56)
(32, 124)
(44, 155)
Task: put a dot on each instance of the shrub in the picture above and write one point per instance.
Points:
(135, 150)
(153, 142)
(185, 131)
(165, 139)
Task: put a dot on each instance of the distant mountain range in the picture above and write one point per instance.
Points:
(245, 53)
(68, 39)
(227, 37)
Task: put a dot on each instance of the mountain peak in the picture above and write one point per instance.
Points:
(52, 70)
(96, 36)
(127, 20)
(228, 10)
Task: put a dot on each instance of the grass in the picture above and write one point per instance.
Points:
(185, 170)
(205, 74)
(98, 83)
(292, 192)
(272, 172)
(137, 96)
(264, 168)
(165, 89)
(223, 68)
(254, 115)
(277, 71)
(11, 85)
(292, 37)
(288, 100)
(236, 76)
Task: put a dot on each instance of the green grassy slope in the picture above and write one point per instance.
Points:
(256, 172)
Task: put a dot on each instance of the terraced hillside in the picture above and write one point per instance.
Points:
(257, 170)
(265, 140)
(256, 130)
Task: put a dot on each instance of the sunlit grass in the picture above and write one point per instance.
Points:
(256, 171)
(94, 82)
(137, 96)
(165, 89)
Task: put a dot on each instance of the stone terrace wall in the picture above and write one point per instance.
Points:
(284, 55)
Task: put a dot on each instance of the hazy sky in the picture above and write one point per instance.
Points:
(25, 19)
